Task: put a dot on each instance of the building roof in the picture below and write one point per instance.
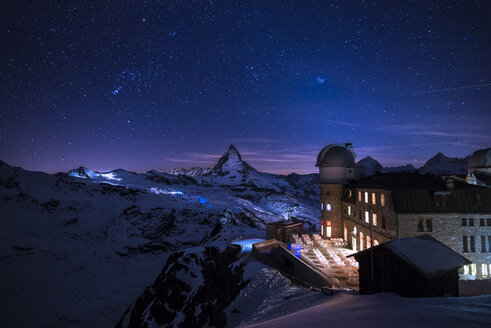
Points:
(336, 155)
(480, 159)
(415, 193)
(401, 180)
(424, 253)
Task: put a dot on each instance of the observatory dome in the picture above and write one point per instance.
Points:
(335, 155)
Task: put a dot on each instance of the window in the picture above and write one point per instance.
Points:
(483, 244)
(471, 222)
(328, 207)
(322, 206)
(349, 210)
(421, 226)
(359, 196)
(322, 230)
(481, 222)
(477, 197)
(374, 198)
(464, 222)
(382, 199)
(375, 242)
(484, 269)
(465, 245)
(368, 242)
(374, 219)
(383, 222)
(367, 218)
(361, 241)
(488, 222)
(466, 269)
(350, 193)
(328, 229)
(441, 198)
(473, 269)
(473, 244)
(354, 230)
(489, 245)
(429, 225)
(366, 196)
(345, 231)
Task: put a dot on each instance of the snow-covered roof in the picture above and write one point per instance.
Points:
(425, 253)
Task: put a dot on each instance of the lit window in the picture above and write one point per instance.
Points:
(368, 242)
(375, 242)
(374, 198)
(359, 196)
(328, 207)
(354, 230)
(484, 270)
(382, 199)
(466, 269)
(345, 231)
(374, 220)
(349, 210)
(361, 241)
(322, 230)
(473, 269)
(366, 196)
(367, 217)
(328, 228)
(322, 206)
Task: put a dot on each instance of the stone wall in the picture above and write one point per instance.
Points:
(448, 229)
(332, 194)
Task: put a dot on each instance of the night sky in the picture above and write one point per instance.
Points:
(146, 85)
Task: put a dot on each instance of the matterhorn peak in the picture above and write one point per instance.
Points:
(231, 162)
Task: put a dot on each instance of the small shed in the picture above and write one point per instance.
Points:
(412, 267)
(282, 230)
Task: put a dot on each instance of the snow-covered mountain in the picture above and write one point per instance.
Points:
(443, 165)
(368, 166)
(437, 165)
(192, 172)
(64, 238)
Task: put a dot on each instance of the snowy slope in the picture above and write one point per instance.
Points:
(191, 172)
(77, 250)
(389, 310)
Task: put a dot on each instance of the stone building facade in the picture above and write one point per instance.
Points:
(369, 211)
(466, 233)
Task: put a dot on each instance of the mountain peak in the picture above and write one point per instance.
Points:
(441, 164)
(230, 162)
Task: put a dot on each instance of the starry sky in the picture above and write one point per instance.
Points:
(146, 85)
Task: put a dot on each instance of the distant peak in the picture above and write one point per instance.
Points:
(232, 147)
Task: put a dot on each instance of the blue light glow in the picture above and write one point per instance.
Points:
(247, 244)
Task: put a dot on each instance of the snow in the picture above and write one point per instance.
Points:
(388, 310)
(246, 244)
(437, 257)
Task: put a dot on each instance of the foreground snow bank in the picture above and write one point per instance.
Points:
(390, 310)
